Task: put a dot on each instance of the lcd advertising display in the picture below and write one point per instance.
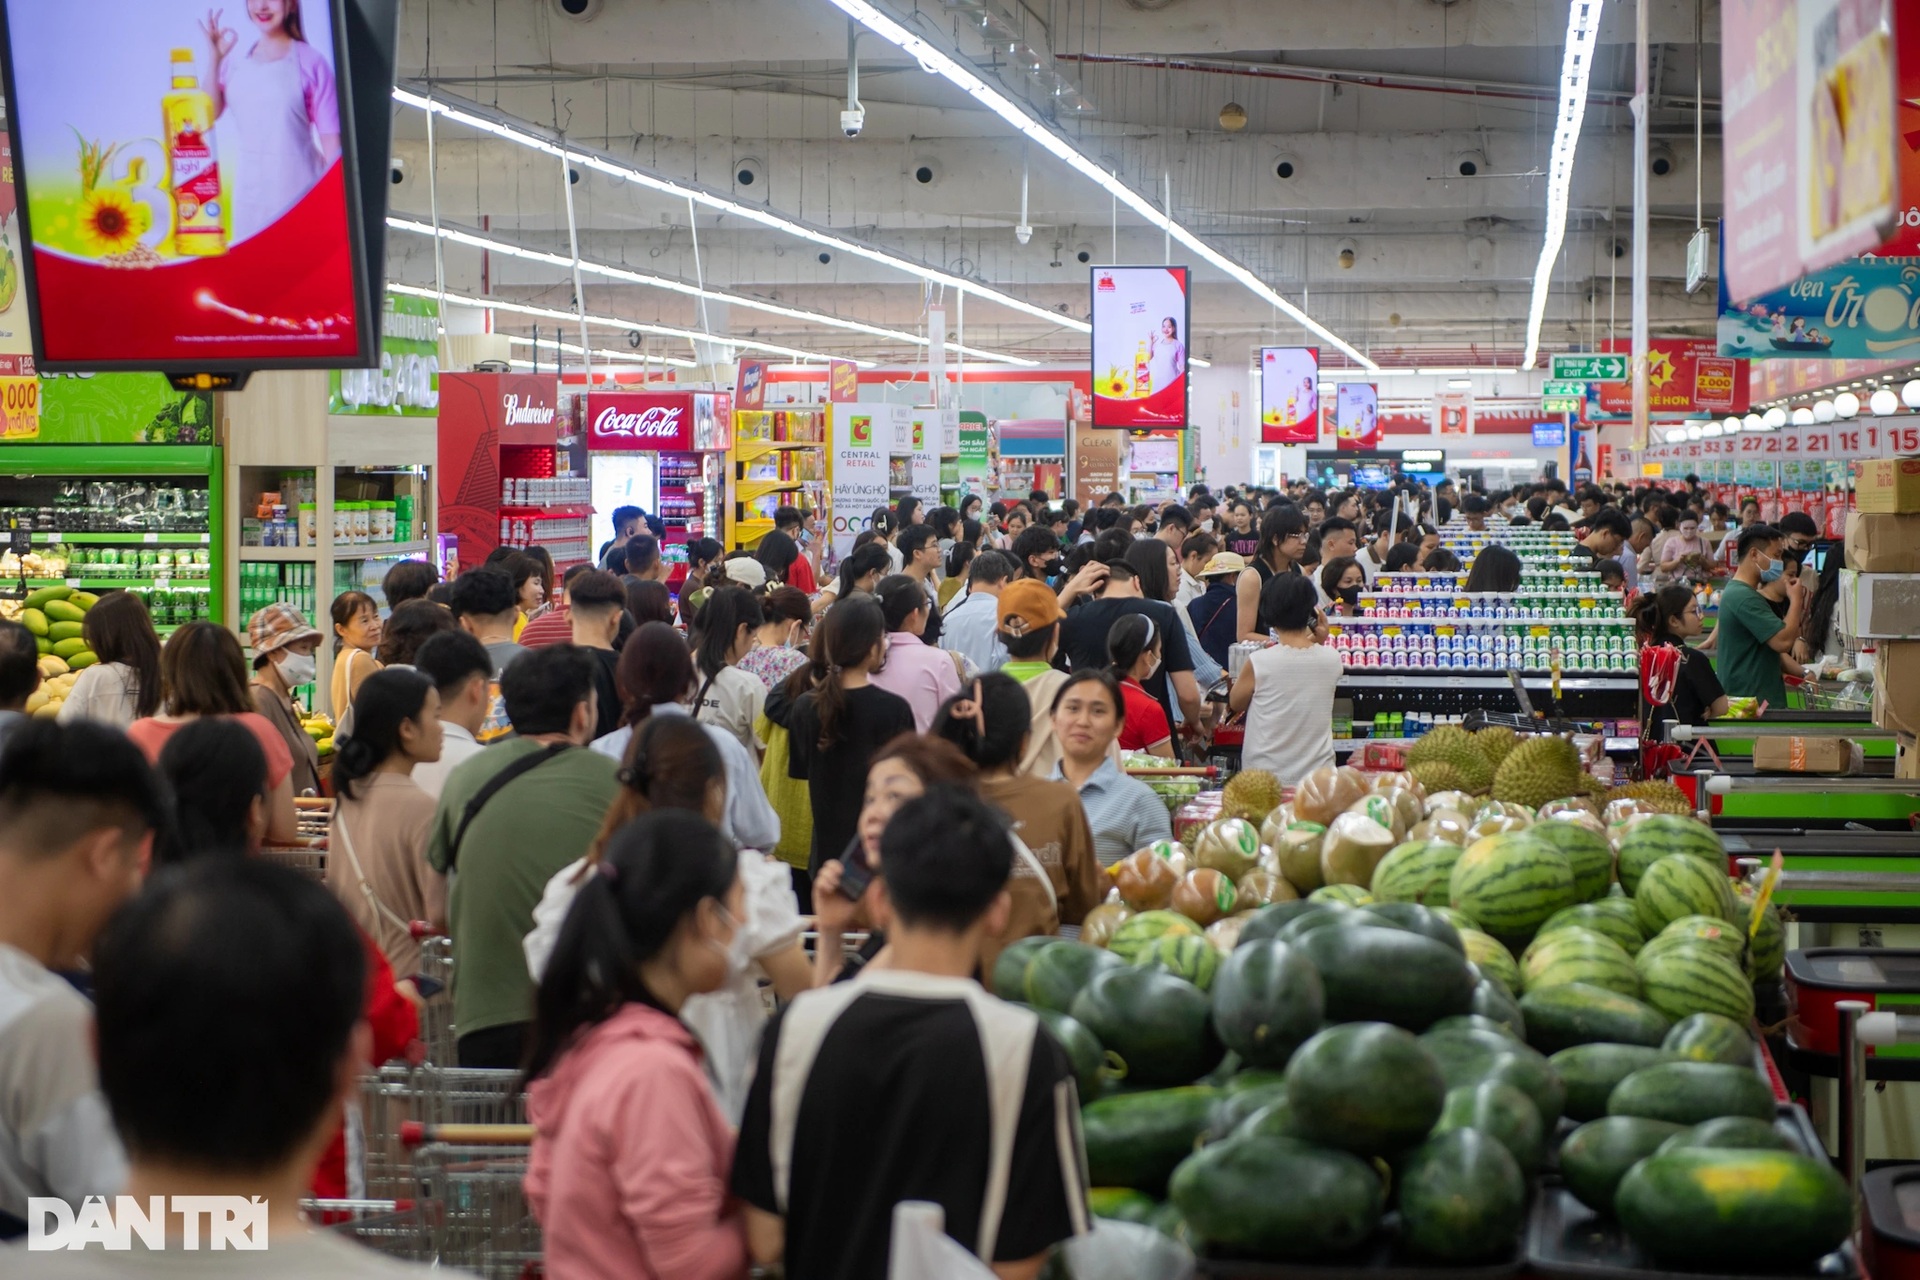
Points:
(187, 187)
(1140, 319)
(1289, 395)
(1356, 415)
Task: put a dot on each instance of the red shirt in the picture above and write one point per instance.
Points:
(800, 576)
(1146, 723)
(395, 1024)
(555, 626)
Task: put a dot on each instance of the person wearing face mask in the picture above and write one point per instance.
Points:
(627, 1173)
(1133, 655)
(283, 660)
(1749, 638)
(1341, 582)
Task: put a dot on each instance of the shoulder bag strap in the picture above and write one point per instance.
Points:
(493, 787)
(366, 886)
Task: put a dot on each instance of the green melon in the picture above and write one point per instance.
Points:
(1598, 1154)
(1619, 922)
(1056, 974)
(1416, 871)
(1492, 956)
(1504, 1112)
(1463, 1198)
(1660, 835)
(1196, 960)
(1511, 884)
(1769, 942)
(1723, 935)
(1365, 1087)
(1351, 895)
(1709, 1037)
(1682, 885)
(1579, 955)
(1587, 851)
(1689, 980)
(1143, 931)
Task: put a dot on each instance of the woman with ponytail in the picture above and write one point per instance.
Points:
(630, 1158)
(1133, 655)
(382, 819)
(1682, 686)
(837, 719)
(1056, 875)
(218, 775)
(728, 698)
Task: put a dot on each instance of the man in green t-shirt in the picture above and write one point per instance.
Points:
(544, 818)
(1748, 638)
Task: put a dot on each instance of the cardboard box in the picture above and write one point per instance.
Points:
(1879, 606)
(1896, 686)
(1806, 755)
(1883, 543)
(1888, 486)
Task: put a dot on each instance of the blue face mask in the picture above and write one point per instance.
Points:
(1773, 571)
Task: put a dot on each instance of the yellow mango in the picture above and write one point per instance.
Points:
(34, 620)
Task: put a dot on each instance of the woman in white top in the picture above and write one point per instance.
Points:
(671, 763)
(125, 684)
(723, 633)
(1167, 355)
(1287, 689)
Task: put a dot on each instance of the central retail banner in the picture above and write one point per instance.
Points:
(1099, 463)
(1140, 323)
(860, 441)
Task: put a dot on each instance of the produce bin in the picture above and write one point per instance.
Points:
(1818, 979)
(1892, 1235)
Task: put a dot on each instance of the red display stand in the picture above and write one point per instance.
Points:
(498, 432)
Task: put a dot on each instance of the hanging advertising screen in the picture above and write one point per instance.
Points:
(1289, 395)
(187, 188)
(1356, 415)
(1140, 317)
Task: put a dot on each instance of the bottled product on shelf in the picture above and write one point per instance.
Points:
(778, 460)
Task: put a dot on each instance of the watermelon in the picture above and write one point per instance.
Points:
(1196, 960)
(1416, 919)
(1692, 1092)
(1351, 895)
(1388, 975)
(1682, 885)
(1471, 1056)
(1275, 1120)
(1472, 1022)
(1120, 1204)
(1460, 920)
(1083, 1050)
(1708, 1037)
(1738, 1133)
(1587, 853)
(1364, 1087)
(1268, 921)
(1136, 1139)
(1511, 883)
(1236, 1107)
(1416, 871)
(1462, 1197)
(1591, 1072)
(1492, 956)
(1145, 930)
(1561, 1017)
(1225, 1193)
(1697, 979)
(1656, 837)
(1267, 999)
(1491, 1000)
(1157, 1024)
(1056, 974)
(1253, 1078)
(1768, 943)
(1598, 1154)
(1579, 955)
(1736, 1212)
(1609, 917)
(1723, 935)
(1010, 966)
(1502, 1112)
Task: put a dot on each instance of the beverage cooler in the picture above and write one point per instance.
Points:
(664, 452)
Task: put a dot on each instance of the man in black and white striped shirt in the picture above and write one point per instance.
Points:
(913, 1083)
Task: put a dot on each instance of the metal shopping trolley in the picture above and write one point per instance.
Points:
(474, 1203)
(305, 859)
(437, 1037)
(395, 1098)
(1806, 693)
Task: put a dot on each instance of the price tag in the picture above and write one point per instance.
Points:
(149, 538)
(1389, 631)
(162, 583)
(1570, 582)
(1540, 633)
(1445, 631)
(1463, 602)
(1588, 604)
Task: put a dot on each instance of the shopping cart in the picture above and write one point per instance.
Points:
(394, 1099)
(437, 1037)
(475, 1204)
(1804, 693)
(302, 858)
(397, 1228)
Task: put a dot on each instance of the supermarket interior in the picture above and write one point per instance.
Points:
(658, 611)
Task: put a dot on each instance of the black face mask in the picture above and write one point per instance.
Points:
(1349, 595)
(1052, 566)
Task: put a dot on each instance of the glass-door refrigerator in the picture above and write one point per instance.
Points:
(664, 452)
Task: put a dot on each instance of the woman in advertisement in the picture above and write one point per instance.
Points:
(1167, 355)
(278, 99)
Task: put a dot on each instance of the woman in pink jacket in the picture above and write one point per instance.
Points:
(628, 1175)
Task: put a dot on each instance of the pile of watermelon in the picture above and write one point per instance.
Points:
(1382, 1066)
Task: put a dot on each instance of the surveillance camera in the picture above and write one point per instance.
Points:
(852, 122)
(1469, 164)
(1083, 253)
(1347, 252)
(634, 339)
(578, 10)
(398, 171)
(1284, 167)
(1023, 233)
(825, 258)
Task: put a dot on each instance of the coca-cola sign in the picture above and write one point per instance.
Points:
(639, 421)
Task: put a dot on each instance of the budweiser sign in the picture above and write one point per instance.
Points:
(529, 413)
(657, 423)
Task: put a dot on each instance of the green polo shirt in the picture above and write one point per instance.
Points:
(532, 828)
(1024, 671)
(1747, 667)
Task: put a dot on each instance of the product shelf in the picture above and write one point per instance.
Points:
(278, 553)
(1478, 621)
(1442, 678)
(748, 490)
(565, 509)
(372, 550)
(116, 539)
(111, 584)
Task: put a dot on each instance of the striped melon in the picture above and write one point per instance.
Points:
(1708, 1037)
(1416, 871)
(1511, 883)
(1579, 955)
(1458, 919)
(1587, 850)
(1492, 956)
(1610, 917)
(1666, 944)
(1141, 933)
(1723, 935)
(1682, 885)
(1661, 835)
(1351, 895)
(1769, 942)
(1690, 980)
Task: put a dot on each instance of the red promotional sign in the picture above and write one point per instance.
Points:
(750, 388)
(1140, 317)
(843, 381)
(634, 422)
(479, 412)
(1453, 413)
(1289, 395)
(1674, 379)
(1906, 235)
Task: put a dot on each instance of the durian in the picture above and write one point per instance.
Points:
(1496, 742)
(1451, 745)
(1657, 792)
(1539, 769)
(1251, 794)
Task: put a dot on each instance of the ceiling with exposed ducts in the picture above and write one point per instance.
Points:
(1381, 165)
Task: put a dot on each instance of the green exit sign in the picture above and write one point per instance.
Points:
(1590, 368)
(1564, 389)
(1561, 404)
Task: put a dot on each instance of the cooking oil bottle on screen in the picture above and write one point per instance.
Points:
(1142, 371)
(193, 167)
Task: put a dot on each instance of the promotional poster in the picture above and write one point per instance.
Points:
(1684, 376)
(1356, 415)
(1140, 319)
(181, 180)
(860, 439)
(1289, 395)
(1860, 309)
